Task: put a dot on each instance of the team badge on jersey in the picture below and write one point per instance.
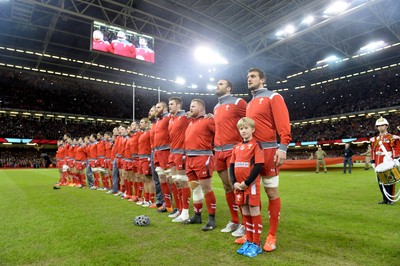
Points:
(227, 107)
(261, 100)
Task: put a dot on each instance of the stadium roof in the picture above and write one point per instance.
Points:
(54, 35)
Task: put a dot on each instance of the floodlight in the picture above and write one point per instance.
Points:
(308, 20)
(336, 8)
(328, 59)
(209, 56)
(280, 33)
(180, 80)
(372, 46)
(194, 86)
(210, 87)
(289, 29)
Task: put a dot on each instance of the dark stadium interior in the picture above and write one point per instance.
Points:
(244, 31)
(46, 63)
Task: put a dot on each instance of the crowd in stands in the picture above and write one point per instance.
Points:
(358, 127)
(56, 94)
(358, 94)
(32, 91)
(31, 127)
(52, 129)
(24, 158)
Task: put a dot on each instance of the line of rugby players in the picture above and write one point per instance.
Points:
(95, 154)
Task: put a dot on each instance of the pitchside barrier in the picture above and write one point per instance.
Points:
(310, 164)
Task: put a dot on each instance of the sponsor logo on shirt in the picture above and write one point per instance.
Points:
(241, 164)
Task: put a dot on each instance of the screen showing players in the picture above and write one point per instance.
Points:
(122, 42)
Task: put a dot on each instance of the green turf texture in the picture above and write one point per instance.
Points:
(326, 219)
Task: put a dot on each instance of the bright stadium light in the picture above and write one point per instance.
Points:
(372, 46)
(308, 20)
(206, 55)
(210, 87)
(194, 86)
(289, 29)
(336, 8)
(180, 81)
(280, 33)
(331, 58)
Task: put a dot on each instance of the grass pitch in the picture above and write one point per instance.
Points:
(326, 219)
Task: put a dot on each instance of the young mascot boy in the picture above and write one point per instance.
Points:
(246, 164)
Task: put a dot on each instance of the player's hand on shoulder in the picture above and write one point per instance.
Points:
(209, 116)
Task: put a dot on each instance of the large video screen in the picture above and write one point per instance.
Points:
(122, 42)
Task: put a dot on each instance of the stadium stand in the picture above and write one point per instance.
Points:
(36, 92)
(23, 158)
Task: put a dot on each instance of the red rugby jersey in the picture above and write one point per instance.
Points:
(161, 133)
(101, 148)
(242, 157)
(60, 152)
(81, 153)
(71, 151)
(144, 143)
(134, 143)
(128, 145)
(92, 150)
(114, 149)
(108, 147)
(227, 113)
(199, 135)
(122, 146)
(177, 128)
(271, 116)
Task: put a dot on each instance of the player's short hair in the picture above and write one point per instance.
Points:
(229, 84)
(201, 102)
(178, 100)
(93, 135)
(100, 133)
(246, 121)
(67, 135)
(259, 71)
(108, 133)
(163, 104)
(124, 126)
